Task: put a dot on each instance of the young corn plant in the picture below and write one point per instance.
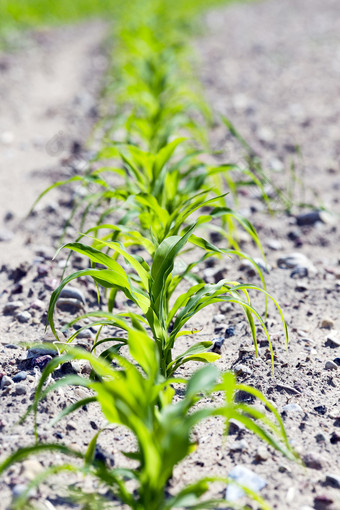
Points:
(152, 286)
(136, 396)
(156, 194)
(154, 94)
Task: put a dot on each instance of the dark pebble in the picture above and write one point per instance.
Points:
(309, 218)
(103, 457)
(42, 270)
(299, 272)
(42, 361)
(294, 235)
(69, 305)
(11, 346)
(72, 293)
(322, 502)
(19, 272)
(312, 461)
(235, 427)
(9, 215)
(20, 389)
(320, 438)
(321, 409)
(230, 332)
(219, 328)
(215, 237)
(337, 361)
(217, 345)
(20, 376)
(335, 438)
(17, 289)
(219, 275)
(244, 396)
(210, 262)
(333, 481)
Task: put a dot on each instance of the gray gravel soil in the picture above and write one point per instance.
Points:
(272, 68)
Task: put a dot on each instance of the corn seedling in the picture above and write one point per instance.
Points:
(151, 288)
(140, 399)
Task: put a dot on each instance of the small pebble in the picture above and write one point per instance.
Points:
(215, 237)
(69, 305)
(244, 396)
(218, 318)
(241, 369)
(320, 438)
(226, 307)
(239, 446)
(71, 426)
(34, 352)
(299, 272)
(243, 476)
(333, 480)
(332, 341)
(262, 454)
(20, 376)
(321, 409)
(313, 461)
(327, 323)
(20, 389)
(18, 490)
(230, 331)
(11, 307)
(294, 235)
(330, 365)
(335, 438)
(31, 468)
(292, 408)
(102, 456)
(217, 345)
(5, 382)
(322, 501)
(38, 305)
(283, 469)
(85, 333)
(23, 317)
(43, 270)
(220, 328)
(274, 245)
(235, 427)
(295, 260)
(309, 218)
(5, 236)
(288, 389)
(72, 293)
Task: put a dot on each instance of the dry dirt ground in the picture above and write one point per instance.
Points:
(273, 68)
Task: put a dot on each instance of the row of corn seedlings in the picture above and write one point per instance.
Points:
(154, 195)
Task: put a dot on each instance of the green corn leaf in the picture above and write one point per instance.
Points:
(91, 449)
(142, 349)
(106, 278)
(23, 453)
(163, 261)
(72, 408)
(133, 260)
(203, 380)
(197, 352)
(163, 156)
